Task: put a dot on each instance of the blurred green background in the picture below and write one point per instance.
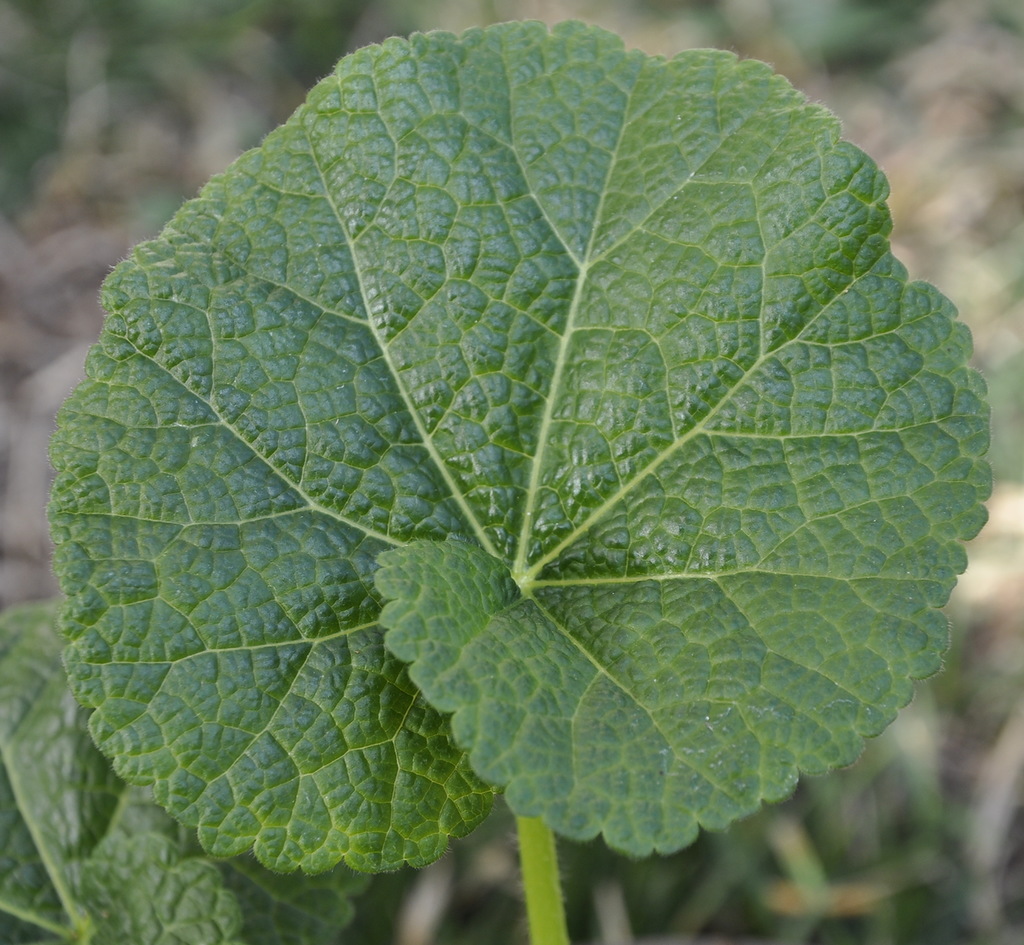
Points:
(114, 111)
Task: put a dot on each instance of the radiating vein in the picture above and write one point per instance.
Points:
(599, 511)
(562, 357)
(689, 760)
(691, 176)
(311, 503)
(425, 438)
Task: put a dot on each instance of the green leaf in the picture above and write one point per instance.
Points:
(57, 793)
(276, 908)
(68, 868)
(631, 328)
(140, 889)
(291, 909)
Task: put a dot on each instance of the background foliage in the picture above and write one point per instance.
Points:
(113, 111)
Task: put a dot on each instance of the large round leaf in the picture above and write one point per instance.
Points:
(628, 326)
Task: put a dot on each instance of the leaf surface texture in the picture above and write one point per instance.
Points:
(85, 858)
(631, 329)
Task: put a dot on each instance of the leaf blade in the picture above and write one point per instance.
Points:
(58, 795)
(632, 326)
(140, 889)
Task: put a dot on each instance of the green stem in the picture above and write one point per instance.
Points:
(539, 860)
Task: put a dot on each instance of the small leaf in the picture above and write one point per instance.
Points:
(140, 889)
(290, 909)
(83, 858)
(57, 792)
(67, 870)
(647, 708)
(631, 327)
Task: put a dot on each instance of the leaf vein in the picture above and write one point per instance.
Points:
(701, 426)
(603, 670)
(428, 444)
(312, 504)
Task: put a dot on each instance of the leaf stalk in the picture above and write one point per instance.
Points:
(539, 861)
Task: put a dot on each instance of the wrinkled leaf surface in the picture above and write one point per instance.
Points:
(83, 858)
(631, 328)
